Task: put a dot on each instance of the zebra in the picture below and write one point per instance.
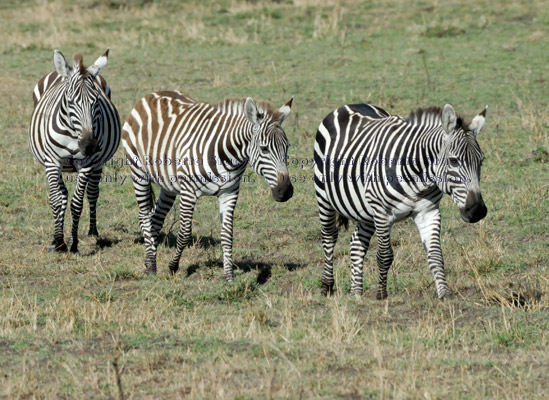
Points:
(74, 128)
(375, 168)
(196, 149)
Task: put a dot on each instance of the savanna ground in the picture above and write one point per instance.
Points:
(94, 326)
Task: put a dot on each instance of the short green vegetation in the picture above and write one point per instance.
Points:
(65, 319)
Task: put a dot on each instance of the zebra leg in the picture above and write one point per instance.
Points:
(187, 201)
(227, 203)
(162, 208)
(360, 241)
(92, 192)
(76, 208)
(384, 256)
(58, 196)
(428, 224)
(329, 235)
(143, 194)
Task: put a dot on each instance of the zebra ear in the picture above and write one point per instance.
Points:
(61, 65)
(448, 119)
(285, 109)
(252, 112)
(478, 122)
(96, 68)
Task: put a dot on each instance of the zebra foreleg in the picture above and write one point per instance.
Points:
(92, 192)
(76, 208)
(360, 241)
(58, 196)
(329, 236)
(186, 209)
(384, 257)
(428, 224)
(227, 203)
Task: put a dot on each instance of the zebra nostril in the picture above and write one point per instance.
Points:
(88, 145)
(474, 213)
(282, 193)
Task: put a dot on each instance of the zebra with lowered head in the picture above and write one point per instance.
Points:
(199, 149)
(74, 128)
(375, 168)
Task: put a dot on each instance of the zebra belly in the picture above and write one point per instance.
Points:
(178, 176)
(347, 196)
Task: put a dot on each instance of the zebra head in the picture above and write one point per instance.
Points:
(81, 96)
(461, 159)
(269, 147)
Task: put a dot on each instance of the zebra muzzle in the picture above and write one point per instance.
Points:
(88, 143)
(284, 190)
(474, 209)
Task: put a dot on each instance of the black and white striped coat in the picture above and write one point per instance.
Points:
(375, 168)
(199, 149)
(76, 128)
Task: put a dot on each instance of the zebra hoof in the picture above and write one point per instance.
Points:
(381, 295)
(173, 269)
(93, 232)
(58, 248)
(357, 293)
(229, 278)
(327, 290)
(74, 249)
(150, 271)
(446, 296)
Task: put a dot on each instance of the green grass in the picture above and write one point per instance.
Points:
(64, 319)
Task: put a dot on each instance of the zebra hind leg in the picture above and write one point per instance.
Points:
(329, 234)
(187, 202)
(360, 241)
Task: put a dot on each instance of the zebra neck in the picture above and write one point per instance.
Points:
(234, 145)
(429, 147)
(236, 141)
(231, 107)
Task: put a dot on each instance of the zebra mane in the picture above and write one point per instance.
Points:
(433, 112)
(79, 59)
(236, 106)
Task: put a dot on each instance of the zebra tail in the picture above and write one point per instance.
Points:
(342, 222)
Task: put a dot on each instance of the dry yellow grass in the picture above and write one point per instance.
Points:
(69, 323)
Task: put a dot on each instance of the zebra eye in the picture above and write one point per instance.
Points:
(454, 162)
(264, 149)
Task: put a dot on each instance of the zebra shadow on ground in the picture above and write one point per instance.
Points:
(101, 243)
(170, 240)
(263, 269)
(207, 242)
